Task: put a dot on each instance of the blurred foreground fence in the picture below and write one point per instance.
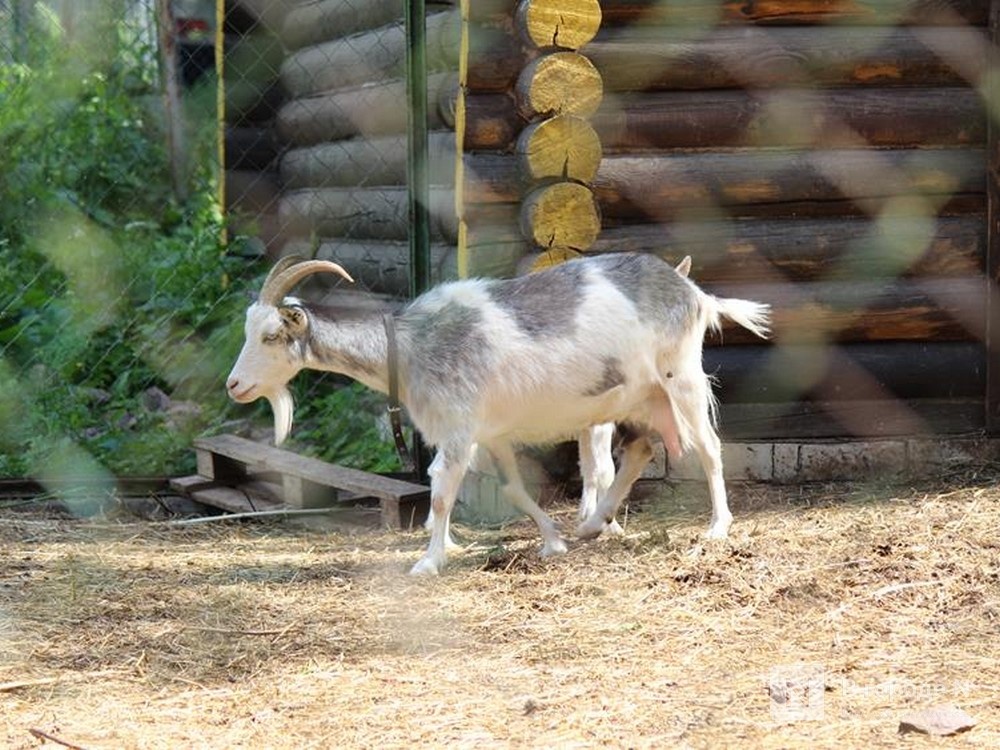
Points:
(836, 159)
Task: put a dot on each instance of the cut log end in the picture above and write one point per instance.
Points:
(561, 83)
(559, 23)
(564, 147)
(561, 215)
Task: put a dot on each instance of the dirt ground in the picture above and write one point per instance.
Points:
(831, 612)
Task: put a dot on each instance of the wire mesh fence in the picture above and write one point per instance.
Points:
(122, 298)
(828, 158)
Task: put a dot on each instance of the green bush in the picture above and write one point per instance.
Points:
(121, 310)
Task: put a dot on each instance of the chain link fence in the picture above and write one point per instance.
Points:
(130, 251)
(836, 164)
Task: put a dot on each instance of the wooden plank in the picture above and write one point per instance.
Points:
(267, 457)
(838, 419)
(768, 12)
(233, 500)
(187, 485)
(870, 371)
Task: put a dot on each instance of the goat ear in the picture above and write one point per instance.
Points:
(684, 267)
(294, 318)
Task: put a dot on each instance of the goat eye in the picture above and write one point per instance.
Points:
(270, 338)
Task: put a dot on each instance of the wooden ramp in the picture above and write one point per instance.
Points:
(240, 475)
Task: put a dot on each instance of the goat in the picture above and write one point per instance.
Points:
(495, 363)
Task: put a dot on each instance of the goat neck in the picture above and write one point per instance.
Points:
(354, 345)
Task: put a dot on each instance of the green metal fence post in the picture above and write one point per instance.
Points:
(417, 158)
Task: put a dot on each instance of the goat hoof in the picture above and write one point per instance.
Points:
(425, 567)
(719, 529)
(591, 528)
(554, 547)
(614, 529)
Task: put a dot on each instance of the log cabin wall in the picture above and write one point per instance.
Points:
(343, 130)
(827, 157)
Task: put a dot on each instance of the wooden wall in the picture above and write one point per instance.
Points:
(343, 127)
(825, 156)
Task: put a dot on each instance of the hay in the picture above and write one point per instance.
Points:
(831, 612)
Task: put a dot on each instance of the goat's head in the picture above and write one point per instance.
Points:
(274, 344)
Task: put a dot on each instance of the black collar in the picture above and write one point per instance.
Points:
(394, 407)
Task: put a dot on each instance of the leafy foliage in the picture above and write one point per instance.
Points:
(121, 309)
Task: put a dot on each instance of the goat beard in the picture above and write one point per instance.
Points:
(283, 406)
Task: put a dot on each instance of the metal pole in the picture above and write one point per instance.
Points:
(417, 152)
(417, 173)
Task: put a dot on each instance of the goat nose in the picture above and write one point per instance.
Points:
(232, 384)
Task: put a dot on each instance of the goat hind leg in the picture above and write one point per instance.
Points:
(695, 406)
(636, 454)
(597, 469)
(513, 489)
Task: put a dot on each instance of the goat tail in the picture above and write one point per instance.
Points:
(754, 316)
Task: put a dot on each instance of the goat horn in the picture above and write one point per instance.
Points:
(286, 275)
(282, 265)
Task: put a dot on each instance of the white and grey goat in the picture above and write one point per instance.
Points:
(498, 363)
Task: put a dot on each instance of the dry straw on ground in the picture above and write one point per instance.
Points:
(830, 613)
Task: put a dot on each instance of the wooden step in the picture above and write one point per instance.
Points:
(231, 461)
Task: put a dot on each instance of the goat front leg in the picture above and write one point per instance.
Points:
(597, 469)
(513, 489)
(446, 472)
(636, 453)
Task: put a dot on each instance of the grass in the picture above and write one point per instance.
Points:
(272, 635)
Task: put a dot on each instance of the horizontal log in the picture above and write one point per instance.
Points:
(642, 59)
(378, 266)
(810, 249)
(661, 186)
(808, 56)
(836, 118)
(854, 311)
(365, 213)
(831, 118)
(839, 419)
(324, 20)
(774, 12)
(851, 372)
(367, 162)
(363, 110)
(630, 186)
(372, 56)
(384, 266)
